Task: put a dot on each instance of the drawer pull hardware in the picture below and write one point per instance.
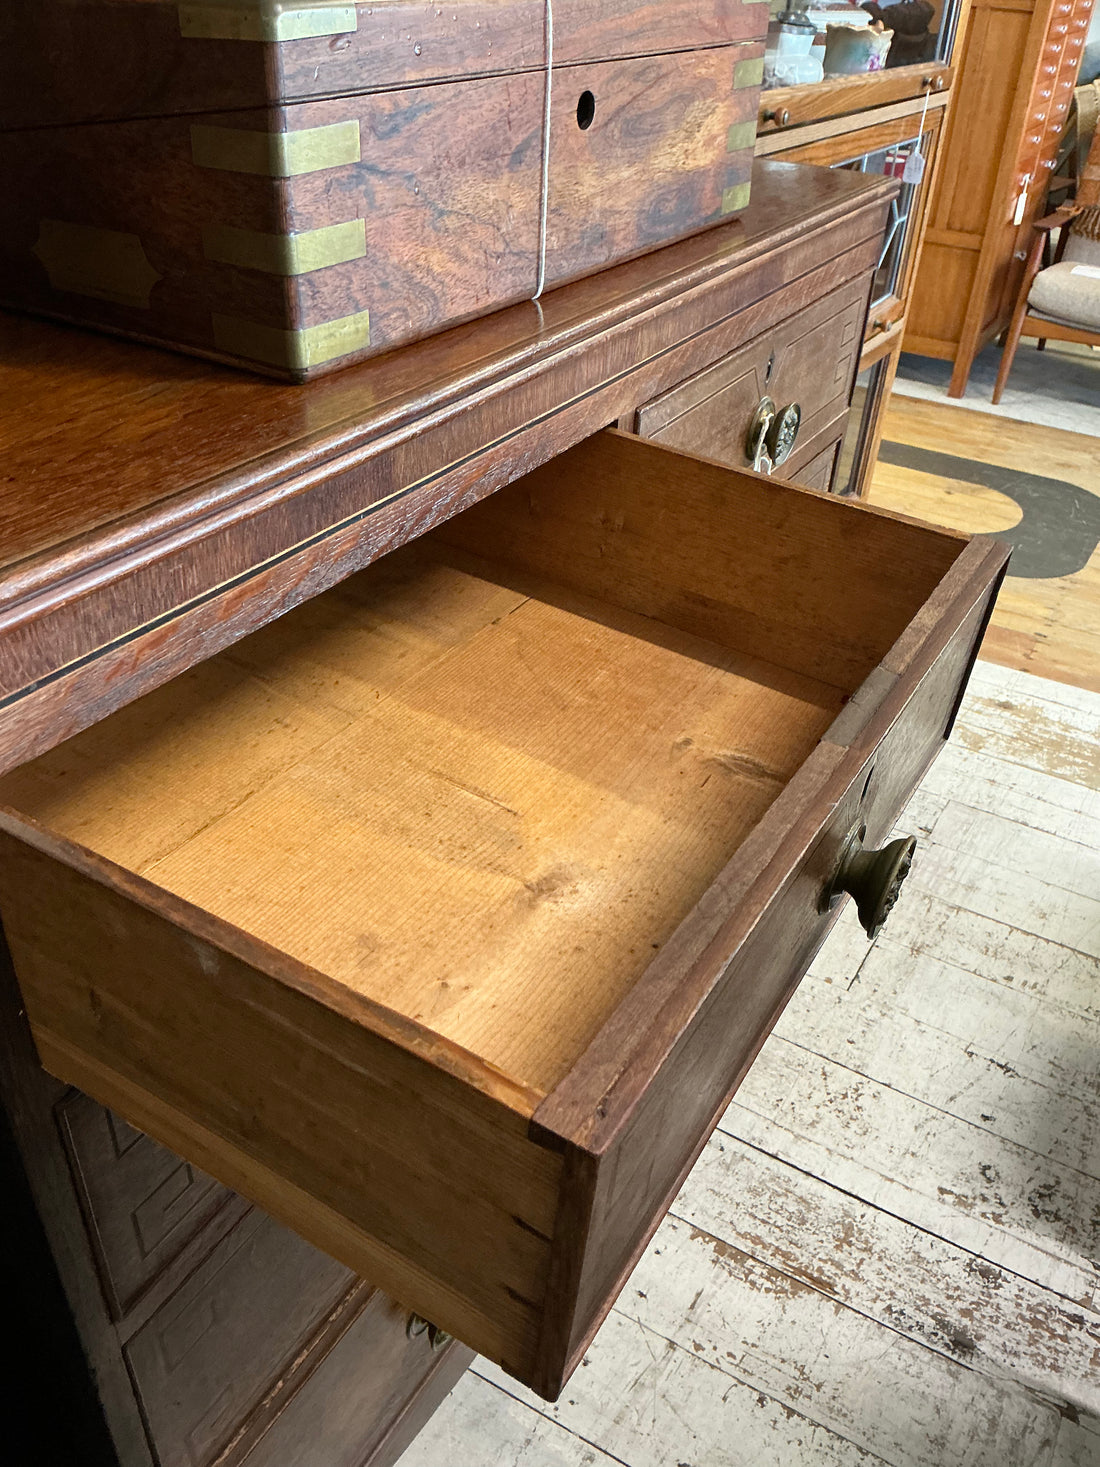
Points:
(783, 433)
(772, 434)
(779, 115)
(873, 878)
(417, 1325)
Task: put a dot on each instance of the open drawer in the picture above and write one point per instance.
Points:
(443, 916)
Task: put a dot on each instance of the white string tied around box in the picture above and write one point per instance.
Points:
(545, 189)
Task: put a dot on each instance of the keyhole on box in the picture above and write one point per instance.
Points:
(586, 111)
(769, 369)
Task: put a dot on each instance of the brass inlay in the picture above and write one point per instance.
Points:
(265, 20)
(296, 350)
(735, 198)
(741, 135)
(286, 254)
(103, 263)
(748, 73)
(276, 154)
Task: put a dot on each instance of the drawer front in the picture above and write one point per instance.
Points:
(818, 470)
(369, 1397)
(205, 1359)
(147, 1209)
(627, 709)
(809, 359)
(264, 1344)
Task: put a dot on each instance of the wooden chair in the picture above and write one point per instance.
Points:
(1061, 301)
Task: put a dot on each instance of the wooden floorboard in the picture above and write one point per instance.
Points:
(887, 1252)
(1047, 624)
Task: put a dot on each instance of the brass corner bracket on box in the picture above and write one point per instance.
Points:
(265, 20)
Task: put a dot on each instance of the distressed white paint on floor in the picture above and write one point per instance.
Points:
(889, 1252)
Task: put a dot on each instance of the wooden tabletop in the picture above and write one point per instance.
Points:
(139, 485)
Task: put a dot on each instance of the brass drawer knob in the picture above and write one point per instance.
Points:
(417, 1325)
(772, 434)
(783, 432)
(872, 878)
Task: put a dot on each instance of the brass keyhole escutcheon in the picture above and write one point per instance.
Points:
(417, 1325)
(872, 878)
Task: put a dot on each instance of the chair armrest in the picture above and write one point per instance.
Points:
(1064, 214)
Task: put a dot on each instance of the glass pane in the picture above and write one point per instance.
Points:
(891, 163)
(921, 31)
(857, 436)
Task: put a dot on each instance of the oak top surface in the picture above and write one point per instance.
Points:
(104, 438)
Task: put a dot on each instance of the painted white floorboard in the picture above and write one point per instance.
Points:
(481, 1426)
(889, 1253)
(898, 1400)
(1016, 1208)
(1007, 1063)
(925, 923)
(954, 1302)
(987, 782)
(1051, 737)
(1015, 685)
(651, 1402)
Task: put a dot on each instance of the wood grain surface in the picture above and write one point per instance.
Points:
(185, 505)
(401, 212)
(81, 60)
(426, 757)
(809, 361)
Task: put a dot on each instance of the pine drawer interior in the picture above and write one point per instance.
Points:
(481, 782)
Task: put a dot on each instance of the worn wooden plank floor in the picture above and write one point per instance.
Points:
(1038, 484)
(890, 1250)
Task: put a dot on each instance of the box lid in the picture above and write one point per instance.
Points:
(74, 61)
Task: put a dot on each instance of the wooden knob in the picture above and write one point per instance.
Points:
(872, 878)
(779, 115)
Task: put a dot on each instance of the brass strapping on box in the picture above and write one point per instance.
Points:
(286, 254)
(735, 198)
(749, 73)
(741, 135)
(295, 350)
(104, 263)
(276, 154)
(265, 20)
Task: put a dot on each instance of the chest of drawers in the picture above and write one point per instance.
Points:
(462, 791)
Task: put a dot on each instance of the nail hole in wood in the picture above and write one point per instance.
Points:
(586, 111)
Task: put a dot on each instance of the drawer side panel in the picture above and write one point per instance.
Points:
(621, 1179)
(404, 1172)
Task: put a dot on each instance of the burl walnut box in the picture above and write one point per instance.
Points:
(296, 186)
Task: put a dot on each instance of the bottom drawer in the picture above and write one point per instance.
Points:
(266, 1356)
(817, 472)
(443, 916)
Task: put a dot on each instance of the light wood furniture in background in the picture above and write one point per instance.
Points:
(1017, 69)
